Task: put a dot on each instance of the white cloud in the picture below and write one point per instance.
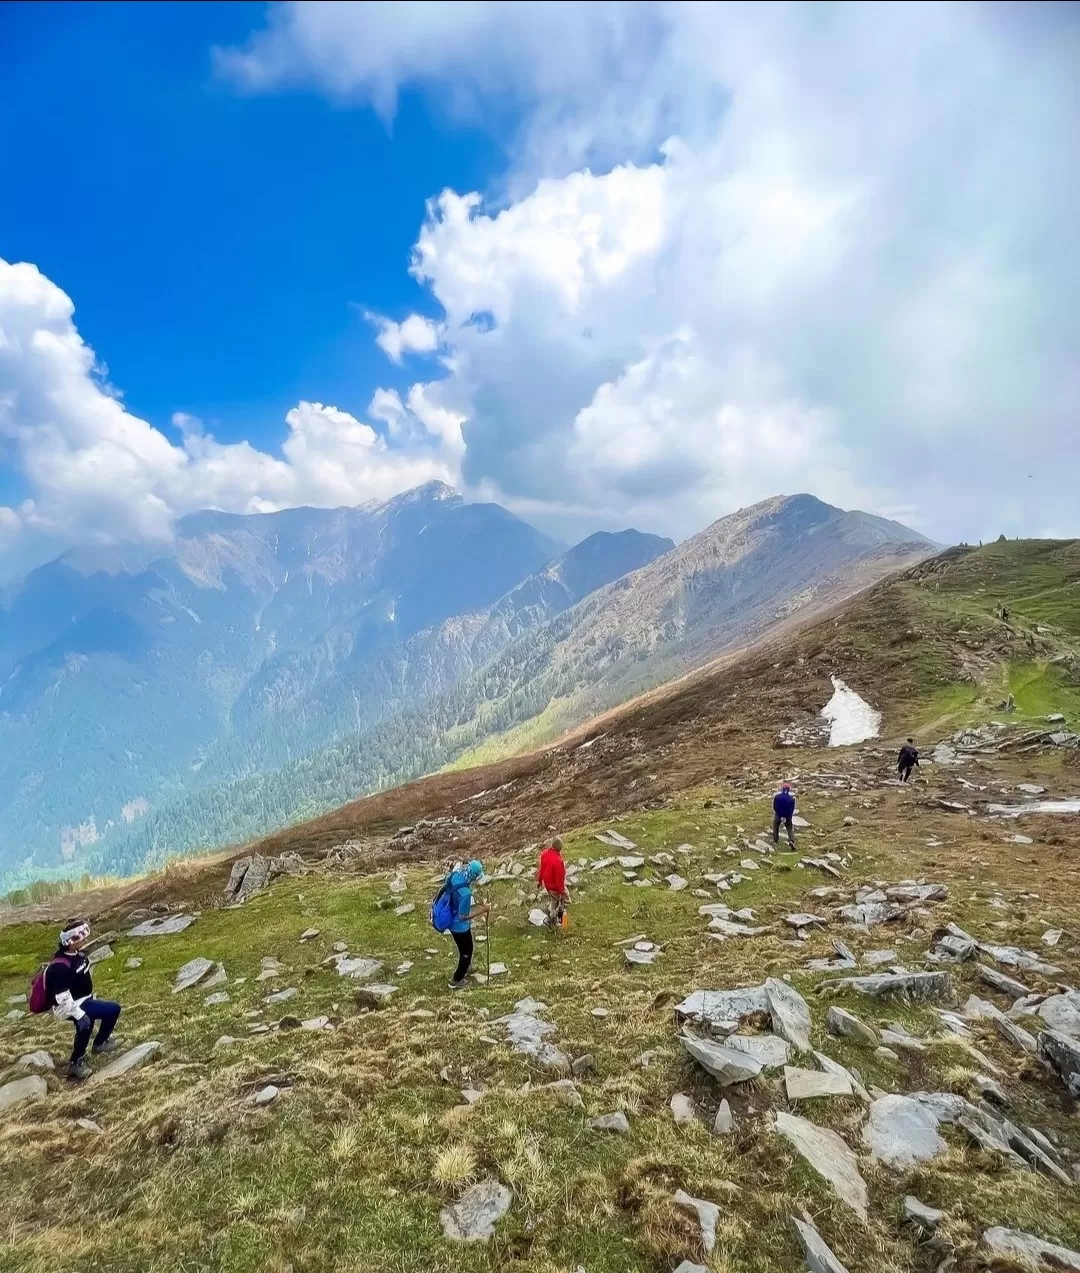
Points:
(99, 474)
(416, 335)
(828, 248)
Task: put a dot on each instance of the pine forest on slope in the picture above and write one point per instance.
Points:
(265, 668)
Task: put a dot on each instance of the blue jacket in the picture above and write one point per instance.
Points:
(783, 803)
(462, 901)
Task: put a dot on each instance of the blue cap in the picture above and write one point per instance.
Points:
(475, 869)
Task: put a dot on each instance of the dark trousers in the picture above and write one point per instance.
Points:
(777, 819)
(102, 1011)
(905, 772)
(464, 943)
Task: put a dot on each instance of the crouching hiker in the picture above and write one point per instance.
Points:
(453, 912)
(551, 877)
(783, 806)
(66, 986)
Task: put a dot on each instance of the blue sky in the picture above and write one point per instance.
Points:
(220, 248)
(722, 252)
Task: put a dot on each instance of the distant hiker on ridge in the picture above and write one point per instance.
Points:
(907, 760)
(453, 912)
(551, 877)
(783, 809)
(68, 989)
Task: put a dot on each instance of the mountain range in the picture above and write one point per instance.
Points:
(264, 667)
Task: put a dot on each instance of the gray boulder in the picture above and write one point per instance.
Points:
(790, 1013)
(128, 1061)
(192, 973)
(1062, 1013)
(726, 1065)
(708, 1216)
(476, 1213)
(374, 996)
(616, 1122)
(922, 1215)
(31, 1088)
(918, 987)
(1030, 1252)
(829, 1156)
(769, 1050)
(845, 1025)
(805, 1085)
(901, 1132)
(1062, 1054)
(32, 1061)
(819, 1258)
(162, 926)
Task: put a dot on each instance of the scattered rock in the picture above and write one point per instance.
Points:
(769, 1050)
(582, 1065)
(192, 973)
(100, 953)
(358, 969)
(1015, 1034)
(683, 1108)
(1062, 1013)
(316, 1023)
(645, 957)
(725, 1064)
(676, 883)
(724, 1123)
(219, 997)
(790, 1013)
(406, 908)
(282, 996)
(309, 934)
(88, 1125)
(804, 1085)
(31, 1088)
(819, 1258)
(829, 1156)
(999, 981)
(567, 1093)
(834, 1067)
(616, 1122)
(845, 1025)
(34, 1061)
(1062, 1054)
(266, 1096)
(162, 926)
(374, 996)
(527, 1033)
(708, 1215)
(128, 1061)
(918, 987)
(901, 1132)
(723, 1005)
(1030, 1252)
(922, 1215)
(225, 1041)
(537, 917)
(803, 920)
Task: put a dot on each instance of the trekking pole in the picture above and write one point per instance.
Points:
(487, 946)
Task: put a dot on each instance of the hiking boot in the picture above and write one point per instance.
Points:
(456, 985)
(78, 1071)
(110, 1045)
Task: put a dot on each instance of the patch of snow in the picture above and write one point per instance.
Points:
(851, 718)
(1034, 806)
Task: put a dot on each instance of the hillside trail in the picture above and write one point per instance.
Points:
(897, 1034)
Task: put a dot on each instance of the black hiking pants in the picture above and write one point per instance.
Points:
(464, 943)
(777, 819)
(905, 772)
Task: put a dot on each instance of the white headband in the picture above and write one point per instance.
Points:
(74, 934)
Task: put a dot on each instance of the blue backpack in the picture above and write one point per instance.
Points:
(444, 907)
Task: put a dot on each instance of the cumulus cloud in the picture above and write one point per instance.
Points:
(828, 249)
(99, 474)
(416, 335)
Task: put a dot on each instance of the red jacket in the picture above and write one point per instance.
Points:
(552, 872)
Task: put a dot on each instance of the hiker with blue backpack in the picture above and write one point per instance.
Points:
(64, 984)
(453, 912)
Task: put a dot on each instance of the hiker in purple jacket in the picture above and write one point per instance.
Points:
(70, 989)
(783, 809)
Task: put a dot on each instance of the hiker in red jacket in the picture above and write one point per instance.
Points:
(551, 877)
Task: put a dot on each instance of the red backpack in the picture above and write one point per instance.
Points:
(37, 998)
